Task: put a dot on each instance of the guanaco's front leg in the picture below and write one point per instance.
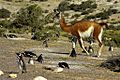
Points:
(74, 41)
(82, 45)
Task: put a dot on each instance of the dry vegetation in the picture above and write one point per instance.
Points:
(81, 68)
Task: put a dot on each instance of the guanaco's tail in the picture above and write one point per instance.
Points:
(103, 24)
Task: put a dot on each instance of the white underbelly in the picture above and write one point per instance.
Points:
(87, 33)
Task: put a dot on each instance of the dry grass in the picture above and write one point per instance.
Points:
(81, 68)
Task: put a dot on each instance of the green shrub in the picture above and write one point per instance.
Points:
(106, 13)
(9, 0)
(4, 13)
(112, 27)
(14, 0)
(29, 16)
(5, 23)
(31, 19)
(49, 18)
(87, 12)
(109, 0)
(64, 6)
(114, 35)
(89, 17)
(2, 31)
(39, 0)
(88, 4)
(84, 6)
(43, 34)
(102, 15)
(40, 35)
(116, 40)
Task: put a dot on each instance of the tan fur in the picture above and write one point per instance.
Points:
(82, 28)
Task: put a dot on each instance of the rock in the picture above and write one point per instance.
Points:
(1, 72)
(58, 70)
(39, 78)
(13, 75)
(48, 68)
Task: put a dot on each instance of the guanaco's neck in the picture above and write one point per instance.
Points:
(64, 26)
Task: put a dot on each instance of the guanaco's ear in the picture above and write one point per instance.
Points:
(57, 13)
(61, 15)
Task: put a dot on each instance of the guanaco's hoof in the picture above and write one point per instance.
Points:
(95, 56)
(73, 53)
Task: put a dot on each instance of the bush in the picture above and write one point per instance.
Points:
(102, 15)
(116, 39)
(43, 34)
(14, 0)
(89, 17)
(105, 14)
(49, 18)
(29, 16)
(64, 6)
(33, 17)
(2, 31)
(84, 6)
(4, 13)
(75, 7)
(39, 0)
(112, 27)
(114, 35)
(88, 4)
(109, 0)
(87, 12)
(9, 0)
(114, 11)
(6, 23)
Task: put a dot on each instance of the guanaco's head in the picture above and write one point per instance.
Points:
(58, 14)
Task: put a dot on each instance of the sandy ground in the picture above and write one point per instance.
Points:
(81, 68)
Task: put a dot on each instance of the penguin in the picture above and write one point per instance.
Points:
(40, 58)
(31, 61)
(63, 65)
(21, 63)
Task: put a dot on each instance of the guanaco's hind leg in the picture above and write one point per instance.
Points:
(97, 34)
(82, 45)
(99, 39)
(101, 46)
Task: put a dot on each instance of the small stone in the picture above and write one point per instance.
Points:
(13, 75)
(1, 72)
(58, 70)
(39, 78)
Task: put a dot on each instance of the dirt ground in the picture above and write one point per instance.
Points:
(81, 68)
